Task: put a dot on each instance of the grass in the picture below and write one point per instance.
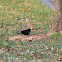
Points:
(15, 14)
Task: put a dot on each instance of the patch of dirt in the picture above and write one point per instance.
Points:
(28, 37)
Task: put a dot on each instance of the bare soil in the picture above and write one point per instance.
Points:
(28, 37)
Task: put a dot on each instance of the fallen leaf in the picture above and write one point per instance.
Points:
(12, 9)
(0, 6)
(24, 44)
(18, 45)
(19, 39)
(21, 9)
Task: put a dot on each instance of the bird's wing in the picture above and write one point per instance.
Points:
(49, 3)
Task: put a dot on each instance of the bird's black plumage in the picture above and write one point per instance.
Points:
(26, 32)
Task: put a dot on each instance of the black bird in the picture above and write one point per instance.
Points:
(24, 30)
